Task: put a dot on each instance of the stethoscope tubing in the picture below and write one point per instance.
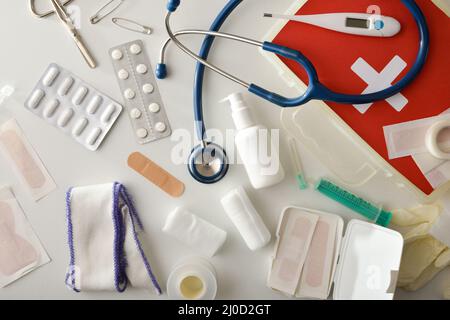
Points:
(316, 90)
(201, 60)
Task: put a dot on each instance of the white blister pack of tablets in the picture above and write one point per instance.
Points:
(140, 92)
(74, 107)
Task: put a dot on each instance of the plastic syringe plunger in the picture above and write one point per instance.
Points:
(373, 213)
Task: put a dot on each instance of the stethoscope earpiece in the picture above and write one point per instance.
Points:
(208, 163)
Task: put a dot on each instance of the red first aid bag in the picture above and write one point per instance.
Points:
(356, 64)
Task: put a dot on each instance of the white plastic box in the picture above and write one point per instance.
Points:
(364, 262)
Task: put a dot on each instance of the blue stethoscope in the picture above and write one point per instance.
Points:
(208, 162)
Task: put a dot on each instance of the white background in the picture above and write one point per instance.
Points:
(30, 44)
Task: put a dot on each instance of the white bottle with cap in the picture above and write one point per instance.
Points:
(244, 216)
(263, 169)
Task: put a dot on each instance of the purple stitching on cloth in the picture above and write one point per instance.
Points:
(120, 277)
(71, 272)
(129, 202)
(136, 221)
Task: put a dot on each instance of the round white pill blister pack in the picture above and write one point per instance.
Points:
(140, 91)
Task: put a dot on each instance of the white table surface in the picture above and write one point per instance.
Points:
(30, 44)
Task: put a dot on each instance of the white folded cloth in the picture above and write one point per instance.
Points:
(194, 231)
(105, 250)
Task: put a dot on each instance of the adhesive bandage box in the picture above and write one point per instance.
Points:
(309, 246)
(73, 106)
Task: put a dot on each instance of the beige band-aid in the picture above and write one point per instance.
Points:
(20, 249)
(24, 160)
(16, 253)
(155, 174)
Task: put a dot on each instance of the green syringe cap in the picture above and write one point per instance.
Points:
(301, 181)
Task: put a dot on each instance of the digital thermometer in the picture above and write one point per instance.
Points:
(363, 24)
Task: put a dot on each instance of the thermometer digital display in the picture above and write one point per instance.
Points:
(357, 23)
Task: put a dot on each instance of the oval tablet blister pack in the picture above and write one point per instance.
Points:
(73, 106)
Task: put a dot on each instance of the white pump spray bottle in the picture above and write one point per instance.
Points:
(259, 154)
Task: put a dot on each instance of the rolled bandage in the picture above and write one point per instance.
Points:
(432, 136)
(244, 216)
(194, 231)
(193, 279)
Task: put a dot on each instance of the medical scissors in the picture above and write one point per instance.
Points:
(64, 17)
(37, 14)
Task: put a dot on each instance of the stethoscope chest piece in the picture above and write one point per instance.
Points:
(208, 163)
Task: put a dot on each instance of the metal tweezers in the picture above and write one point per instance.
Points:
(64, 17)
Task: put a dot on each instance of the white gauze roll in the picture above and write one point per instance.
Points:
(244, 216)
(194, 231)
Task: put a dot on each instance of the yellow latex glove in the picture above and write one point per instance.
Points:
(423, 256)
(447, 291)
(422, 260)
(415, 223)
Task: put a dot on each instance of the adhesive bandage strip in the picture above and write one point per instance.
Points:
(155, 174)
(317, 273)
(295, 232)
(140, 90)
(74, 107)
(440, 175)
(244, 216)
(24, 160)
(408, 138)
(20, 250)
(436, 171)
(194, 232)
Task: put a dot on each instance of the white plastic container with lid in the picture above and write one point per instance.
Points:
(261, 172)
(363, 263)
(244, 216)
